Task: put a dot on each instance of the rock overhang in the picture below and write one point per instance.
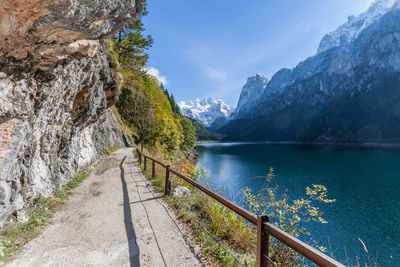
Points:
(40, 34)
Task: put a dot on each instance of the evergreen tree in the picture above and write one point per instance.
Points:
(171, 98)
(131, 44)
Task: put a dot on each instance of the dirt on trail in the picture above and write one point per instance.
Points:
(113, 218)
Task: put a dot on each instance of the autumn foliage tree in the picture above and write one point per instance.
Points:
(144, 104)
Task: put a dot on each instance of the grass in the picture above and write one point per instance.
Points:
(15, 235)
(208, 220)
(212, 221)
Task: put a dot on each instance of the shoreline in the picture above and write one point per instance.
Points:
(368, 144)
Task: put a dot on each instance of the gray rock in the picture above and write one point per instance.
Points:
(55, 99)
(180, 191)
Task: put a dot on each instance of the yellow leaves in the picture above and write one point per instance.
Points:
(322, 220)
(313, 211)
(319, 187)
(319, 192)
(186, 168)
(308, 191)
(288, 214)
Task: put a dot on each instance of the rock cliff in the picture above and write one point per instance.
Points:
(55, 89)
(250, 94)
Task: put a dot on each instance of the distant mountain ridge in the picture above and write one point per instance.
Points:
(348, 91)
(206, 110)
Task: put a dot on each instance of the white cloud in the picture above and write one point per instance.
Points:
(156, 73)
(215, 74)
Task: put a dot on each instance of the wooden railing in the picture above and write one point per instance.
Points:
(265, 229)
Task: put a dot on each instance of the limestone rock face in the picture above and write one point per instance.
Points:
(55, 90)
(48, 31)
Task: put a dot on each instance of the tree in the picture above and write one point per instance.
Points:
(175, 108)
(189, 132)
(138, 111)
(169, 128)
(163, 88)
(144, 103)
(131, 44)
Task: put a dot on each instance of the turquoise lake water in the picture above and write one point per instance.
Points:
(364, 181)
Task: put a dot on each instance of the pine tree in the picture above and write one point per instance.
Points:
(131, 44)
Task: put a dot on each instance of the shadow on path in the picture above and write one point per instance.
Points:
(145, 200)
(130, 231)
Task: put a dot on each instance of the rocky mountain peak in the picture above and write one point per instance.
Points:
(356, 24)
(205, 110)
(250, 93)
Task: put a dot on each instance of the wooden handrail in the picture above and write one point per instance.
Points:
(304, 249)
(239, 210)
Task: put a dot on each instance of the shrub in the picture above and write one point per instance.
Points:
(288, 215)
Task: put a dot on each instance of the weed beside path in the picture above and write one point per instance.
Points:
(17, 234)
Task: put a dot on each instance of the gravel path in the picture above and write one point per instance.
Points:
(113, 219)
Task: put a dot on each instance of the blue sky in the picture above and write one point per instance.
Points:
(210, 47)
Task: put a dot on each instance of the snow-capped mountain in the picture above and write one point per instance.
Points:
(205, 110)
(348, 91)
(349, 31)
(347, 60)
(250, 94)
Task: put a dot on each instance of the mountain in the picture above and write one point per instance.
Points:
(347, 92)
(349, 31)
(205, 110)
(250, 94)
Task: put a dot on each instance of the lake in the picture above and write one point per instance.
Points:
(364, 181)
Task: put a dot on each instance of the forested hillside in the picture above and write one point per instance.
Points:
(202, 133)
(144, 105)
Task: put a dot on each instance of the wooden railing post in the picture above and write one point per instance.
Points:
(167, 182)
(145, 162)
(139, 156)
(153, 169)
(262, 241)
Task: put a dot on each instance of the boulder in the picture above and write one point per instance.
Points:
(180, 191)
